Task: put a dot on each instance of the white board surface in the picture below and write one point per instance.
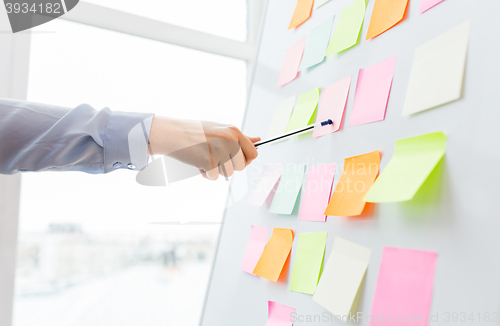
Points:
(461, 222)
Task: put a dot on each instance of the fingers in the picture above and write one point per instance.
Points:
(239, 161)
(225, 170)
(203, 173)
(228, 168)
(230, 151)
(213, 174)
(249, 150)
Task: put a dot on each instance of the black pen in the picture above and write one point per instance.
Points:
(294, 132)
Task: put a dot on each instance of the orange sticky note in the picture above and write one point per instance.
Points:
(358, 177)
(302, 13)
(386, 14)
(275, 254)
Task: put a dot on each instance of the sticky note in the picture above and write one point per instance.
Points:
(288, 189)
(404, 286)
(428, 4)
(437, 72)
(255, 247)
(317, 42)
(386, 14)
(279, 314)
(275, 254)
(346, 34)
(319, 3)
(304, 110)
(357, 178)
(308, 262)
(281, 116)
(302, 12)
(317, 192)
(412, 162)
(342, 277)
(271, 175)
(290, 69)
(372, 92)
(332, 106)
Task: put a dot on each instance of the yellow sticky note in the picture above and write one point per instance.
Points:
(304, 110)
(386, 14)
(302, 13)
(437, 74)
(342, 278)
(413, 161)
(357, 178)
(281, 116)
(275, 254)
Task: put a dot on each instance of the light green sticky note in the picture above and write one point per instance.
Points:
(304, 110)
(413, 160)
(317, 42)
(348, 28)
(308, 262)
(288, 189)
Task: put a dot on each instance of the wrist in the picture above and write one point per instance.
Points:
(169, 135)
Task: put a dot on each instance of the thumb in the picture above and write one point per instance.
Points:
(254, 139)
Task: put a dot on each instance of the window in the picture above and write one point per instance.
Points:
(226, 18)
(101, 249)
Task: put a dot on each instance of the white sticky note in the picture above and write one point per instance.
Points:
(342, 277)
(438, 71)
(281, 116)
(319, 3)
(271, 175)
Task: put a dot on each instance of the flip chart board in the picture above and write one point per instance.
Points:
(454, 215)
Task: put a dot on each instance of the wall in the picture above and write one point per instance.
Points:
(458, 219)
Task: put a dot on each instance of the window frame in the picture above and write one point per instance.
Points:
(14, 65)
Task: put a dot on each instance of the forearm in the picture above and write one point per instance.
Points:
(39, 137)
(170, 135)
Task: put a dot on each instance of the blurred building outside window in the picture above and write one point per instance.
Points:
(101, 249)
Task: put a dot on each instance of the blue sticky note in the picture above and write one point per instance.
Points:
(288, 189)
(317, 43)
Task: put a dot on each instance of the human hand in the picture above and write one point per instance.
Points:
(213, 148)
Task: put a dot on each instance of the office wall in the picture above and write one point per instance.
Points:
(458, 219)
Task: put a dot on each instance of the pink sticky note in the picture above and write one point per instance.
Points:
(255, 247)
(290, 69)
(332, 106)
(372, 92)
(428, 4)
(404, 287)
(317, 193)
(279, 315)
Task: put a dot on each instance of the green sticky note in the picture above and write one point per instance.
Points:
(413, 160)
(348, 28)
(317, 42)
(288, 189)
(304, 110)
(308, 262)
